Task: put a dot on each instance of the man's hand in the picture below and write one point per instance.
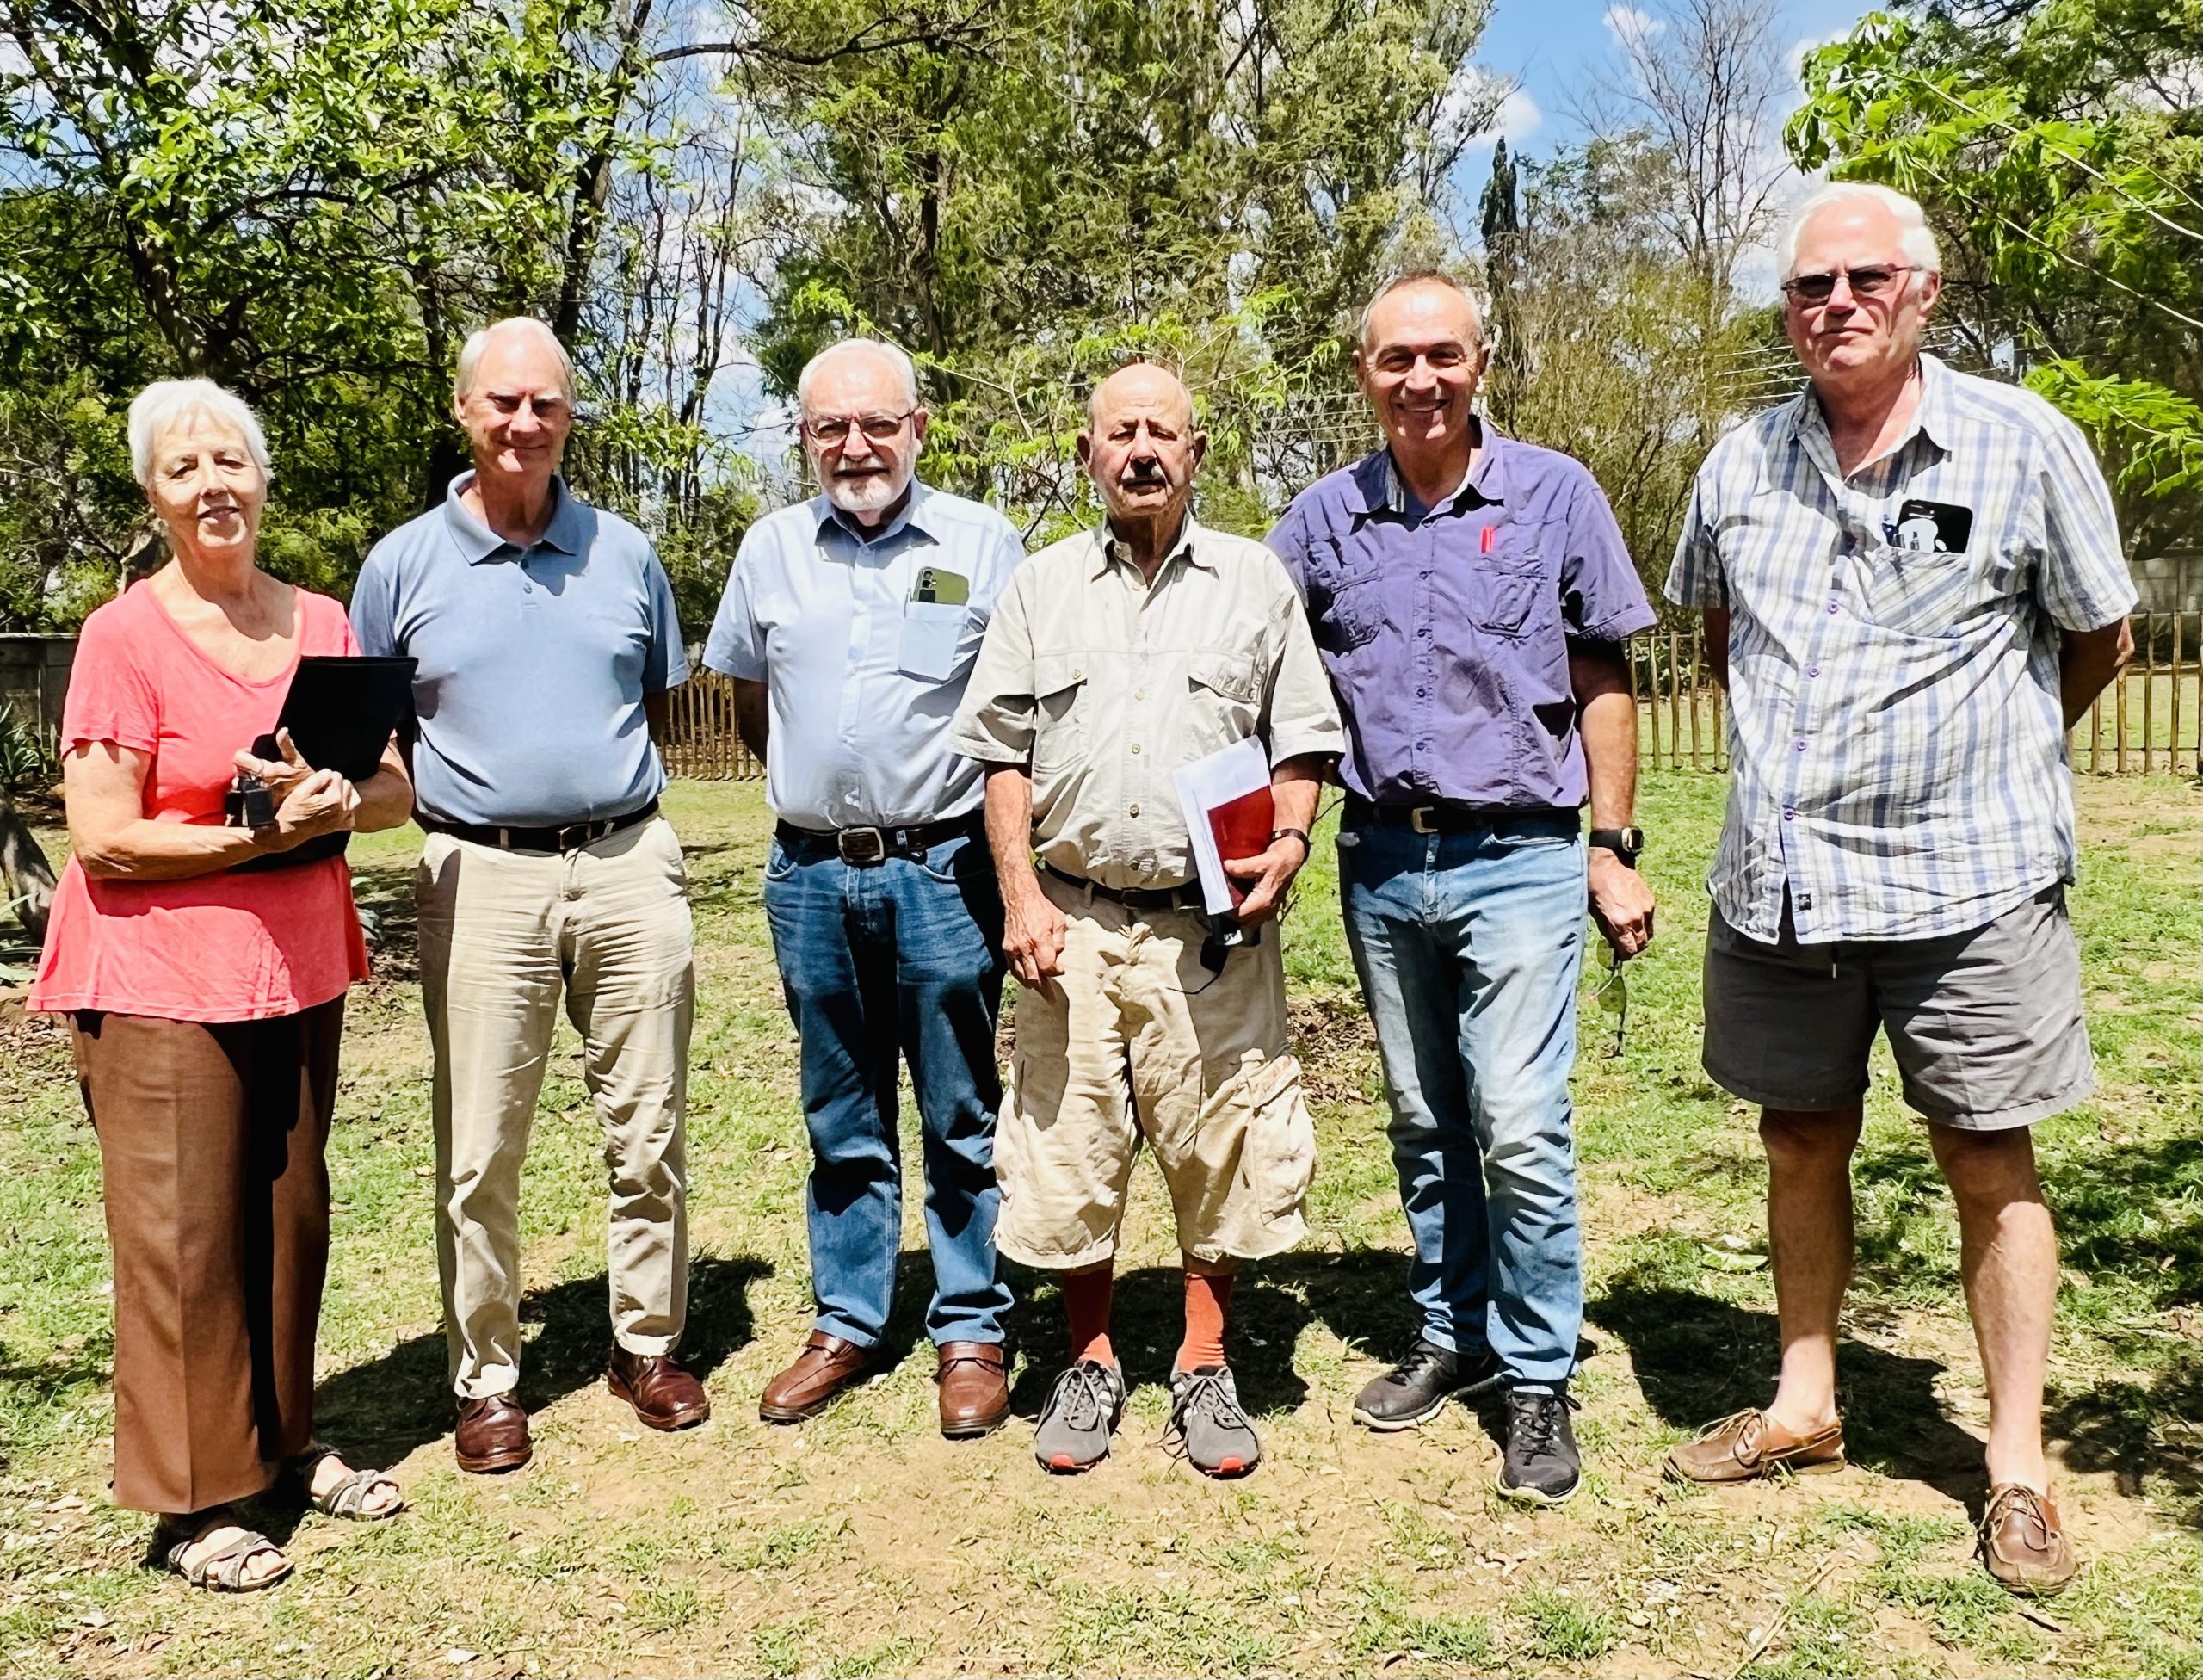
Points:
(1032, 937)
(1621, 904)
(1272, 872)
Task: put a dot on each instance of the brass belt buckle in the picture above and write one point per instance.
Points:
(1418, 819)
(861, 848)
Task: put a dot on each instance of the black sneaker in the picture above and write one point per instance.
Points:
(1416, 1390)
(1542, 1465)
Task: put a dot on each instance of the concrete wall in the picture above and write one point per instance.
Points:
(2171, 583)
(35, 676)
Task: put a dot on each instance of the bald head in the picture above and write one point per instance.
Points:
(1141, 448)
(1145, 386)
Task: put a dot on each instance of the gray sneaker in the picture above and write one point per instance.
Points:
(1205, 1411)
(1082, 1409)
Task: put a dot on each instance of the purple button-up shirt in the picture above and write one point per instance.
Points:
(1447, 632)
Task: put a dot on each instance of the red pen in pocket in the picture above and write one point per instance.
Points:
(1483, 540)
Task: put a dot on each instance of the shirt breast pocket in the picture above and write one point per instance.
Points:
(1223, 702)
(1058, 712)
(1508, 587)
(1349, 598)
(1930, 593)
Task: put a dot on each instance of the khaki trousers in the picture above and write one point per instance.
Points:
(503, 935)
(211, 1165)
(1135, 1039)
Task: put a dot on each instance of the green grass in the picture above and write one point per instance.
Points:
(862, 1545)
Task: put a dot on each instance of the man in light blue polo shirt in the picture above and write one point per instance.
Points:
(546, 638)
(849, 625)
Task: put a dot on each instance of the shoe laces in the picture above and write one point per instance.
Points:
(1536, 1418)
(1207, 1396)
(1420, 1358)
(1082, 1392)
(2007, 1495)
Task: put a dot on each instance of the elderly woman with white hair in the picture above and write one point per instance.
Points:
(208, 1001)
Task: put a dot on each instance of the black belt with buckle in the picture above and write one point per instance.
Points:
(1448, 816)
(1188, 896)
(562, 837)
(861, 847)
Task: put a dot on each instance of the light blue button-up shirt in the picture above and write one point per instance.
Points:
(865, 675)
(534, 661)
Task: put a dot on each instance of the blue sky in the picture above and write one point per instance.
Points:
(1552, 47)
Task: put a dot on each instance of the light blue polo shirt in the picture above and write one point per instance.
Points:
(864, 654)
(534, 661)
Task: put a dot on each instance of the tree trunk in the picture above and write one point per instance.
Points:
(25, 871)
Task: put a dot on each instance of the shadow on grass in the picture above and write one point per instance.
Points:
(2144, 1433)
(379, 1411)
(1697, 1357)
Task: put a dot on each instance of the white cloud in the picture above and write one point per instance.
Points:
(1517, 119)
(1633, 25)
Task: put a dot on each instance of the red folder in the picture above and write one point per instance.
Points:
(1242, 828)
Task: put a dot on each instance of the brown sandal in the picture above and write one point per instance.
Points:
(222, 1570)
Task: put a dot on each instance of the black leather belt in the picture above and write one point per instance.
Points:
(1447, 816)
(564, 838)
(864, 847)
(1188, 896)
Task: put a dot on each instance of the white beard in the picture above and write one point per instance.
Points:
(866, 494)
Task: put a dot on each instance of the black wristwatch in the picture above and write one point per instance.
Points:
(1626, 844)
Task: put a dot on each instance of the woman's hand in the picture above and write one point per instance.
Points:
(322, 803)
(282, 774)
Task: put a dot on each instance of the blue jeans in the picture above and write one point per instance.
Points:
(1468, 946)
(900, 957)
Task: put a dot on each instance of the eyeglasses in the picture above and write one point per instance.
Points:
(827, 429)
(1872, 282)
(1612, 996)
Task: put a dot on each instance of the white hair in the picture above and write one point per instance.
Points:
(470, 353)
(166, 404)
(895, 358)
(1916, 240)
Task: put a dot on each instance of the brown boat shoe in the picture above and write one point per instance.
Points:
(1748, 1445)
(2023, 1544)
(974, 1389)
(826, 1366)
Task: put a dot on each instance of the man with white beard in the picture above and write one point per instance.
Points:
(849, 625)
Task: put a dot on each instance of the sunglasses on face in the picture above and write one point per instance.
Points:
(827, 429)
(1876, 280)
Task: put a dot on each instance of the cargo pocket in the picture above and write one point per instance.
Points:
(1277, 1162)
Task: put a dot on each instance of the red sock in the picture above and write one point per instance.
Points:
(1208, 1299)
(1086, 1298)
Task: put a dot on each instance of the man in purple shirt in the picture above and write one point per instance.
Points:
(1471, 596)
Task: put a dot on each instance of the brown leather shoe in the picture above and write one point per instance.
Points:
(491, 1435)
(974, 1389)
(826, 1366)
(2023, 1544)
(1748, 1444)
(664, 1396)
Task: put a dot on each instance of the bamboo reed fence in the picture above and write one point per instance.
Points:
(2150, 721)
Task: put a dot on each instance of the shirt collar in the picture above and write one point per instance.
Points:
(1932, 419)
(1190, 542)
(479, 542)
(916, 515)
(1382, 491)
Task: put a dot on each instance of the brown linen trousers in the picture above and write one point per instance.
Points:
(211, 1138)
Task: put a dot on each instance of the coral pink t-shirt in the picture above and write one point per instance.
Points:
(221, 946)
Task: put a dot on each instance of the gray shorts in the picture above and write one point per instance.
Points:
(1985, 1025)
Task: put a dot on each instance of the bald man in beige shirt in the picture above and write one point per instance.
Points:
(1114, 657)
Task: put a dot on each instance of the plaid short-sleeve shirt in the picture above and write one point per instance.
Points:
(1896, 740)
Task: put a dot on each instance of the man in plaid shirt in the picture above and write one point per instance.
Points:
(1913, 585)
